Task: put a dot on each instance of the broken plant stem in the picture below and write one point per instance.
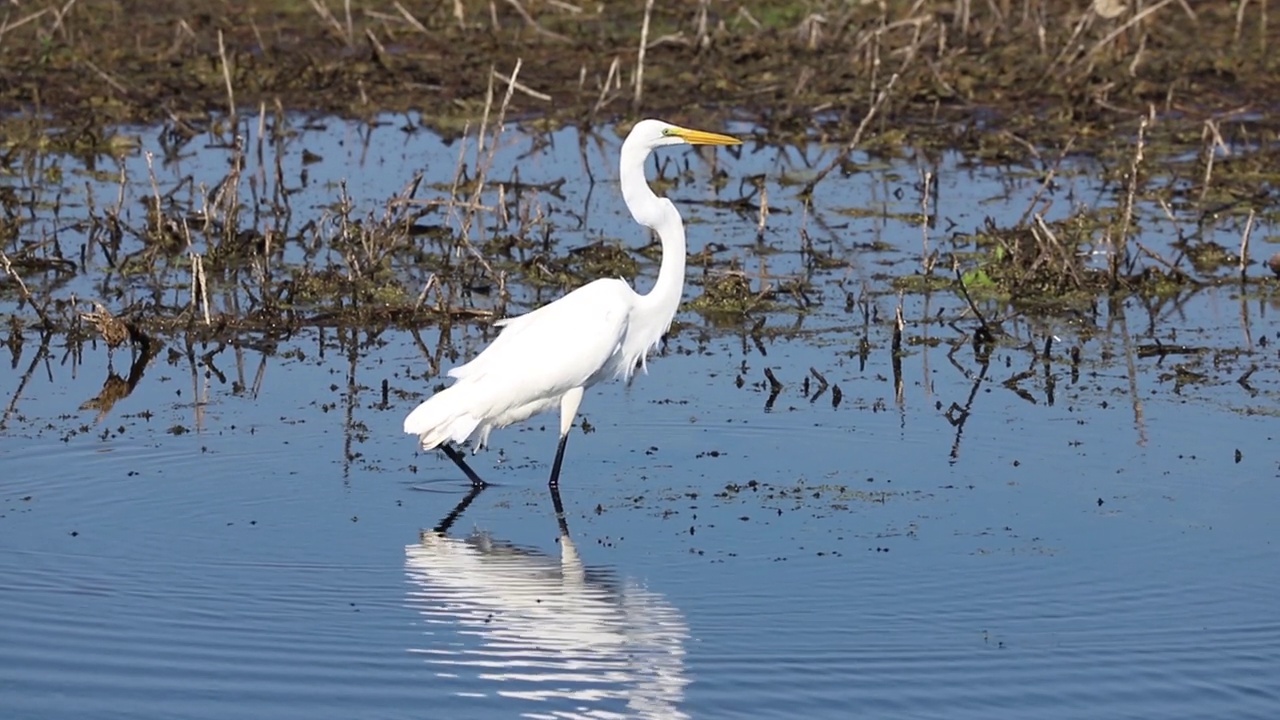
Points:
(644, 41)
(763, 216)
(409, 18)
(226, 76)
(608, 83)
(1119, 249)
(1211, 153)
(986, 328)
(23, 291)
(926, 258)
(528, 20)
(199, 287)
(1244, 245)
(857, 135)
(1137, 18)
(511, 83)
(1048, 181)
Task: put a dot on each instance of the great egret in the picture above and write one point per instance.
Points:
(547, 358)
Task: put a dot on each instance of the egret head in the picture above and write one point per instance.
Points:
(649, 134)
(648, 209)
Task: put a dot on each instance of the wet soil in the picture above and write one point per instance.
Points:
(1043, 70)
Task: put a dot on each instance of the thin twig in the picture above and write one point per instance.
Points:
(23, 291)
(409, 18)
(59, 16)
(763, 216)
(528, 20)
(1121, 30)
(964, 292)
(106, 77)
(483, 164)
(226, 76)
(6, 27)
(1171, 267)
(644, 41)
(511, 83)
(883, 95)
(608, 81)
(1211, 152)
(325, 14)
(1047, 182)
(927, 258)
(857, 137)
(199, 286)
(1244, 245)
(1118, 249)
(426, 288)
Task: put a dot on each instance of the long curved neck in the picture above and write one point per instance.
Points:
(661, 215)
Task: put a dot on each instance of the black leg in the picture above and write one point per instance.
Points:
(456, 457)
(554, 482)
(447, 522)
(559, 506)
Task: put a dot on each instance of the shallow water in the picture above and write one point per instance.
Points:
(249, 534)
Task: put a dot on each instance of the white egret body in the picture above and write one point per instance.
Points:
(546, 358)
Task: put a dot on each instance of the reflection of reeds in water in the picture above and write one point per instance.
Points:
(534, 628)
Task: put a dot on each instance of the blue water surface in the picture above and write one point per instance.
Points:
(965, 533)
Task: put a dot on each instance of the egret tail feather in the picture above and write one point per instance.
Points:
(440, 419)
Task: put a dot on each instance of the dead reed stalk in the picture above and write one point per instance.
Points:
(881, 97)
(644, 42)
(1137, 18)
(763, 217)
(199, 287)
(1047, 182)
(895, 353)
(107, 78)
(927, 258)
(409, 18)
(483, 164)
(1244, 245)
(529, 21)
(6, 27)
(23, 291)
(1119, 249)
(512, 83)
(346, 33)
(609, 80)
(226, 77)
(1211, 151)
(855, 141)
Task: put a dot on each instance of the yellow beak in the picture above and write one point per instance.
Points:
(698, 137)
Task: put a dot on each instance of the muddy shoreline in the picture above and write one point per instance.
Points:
(1041, 70)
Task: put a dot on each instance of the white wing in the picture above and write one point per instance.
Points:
(572, 342)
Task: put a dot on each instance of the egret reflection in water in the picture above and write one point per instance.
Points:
(523, 624)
